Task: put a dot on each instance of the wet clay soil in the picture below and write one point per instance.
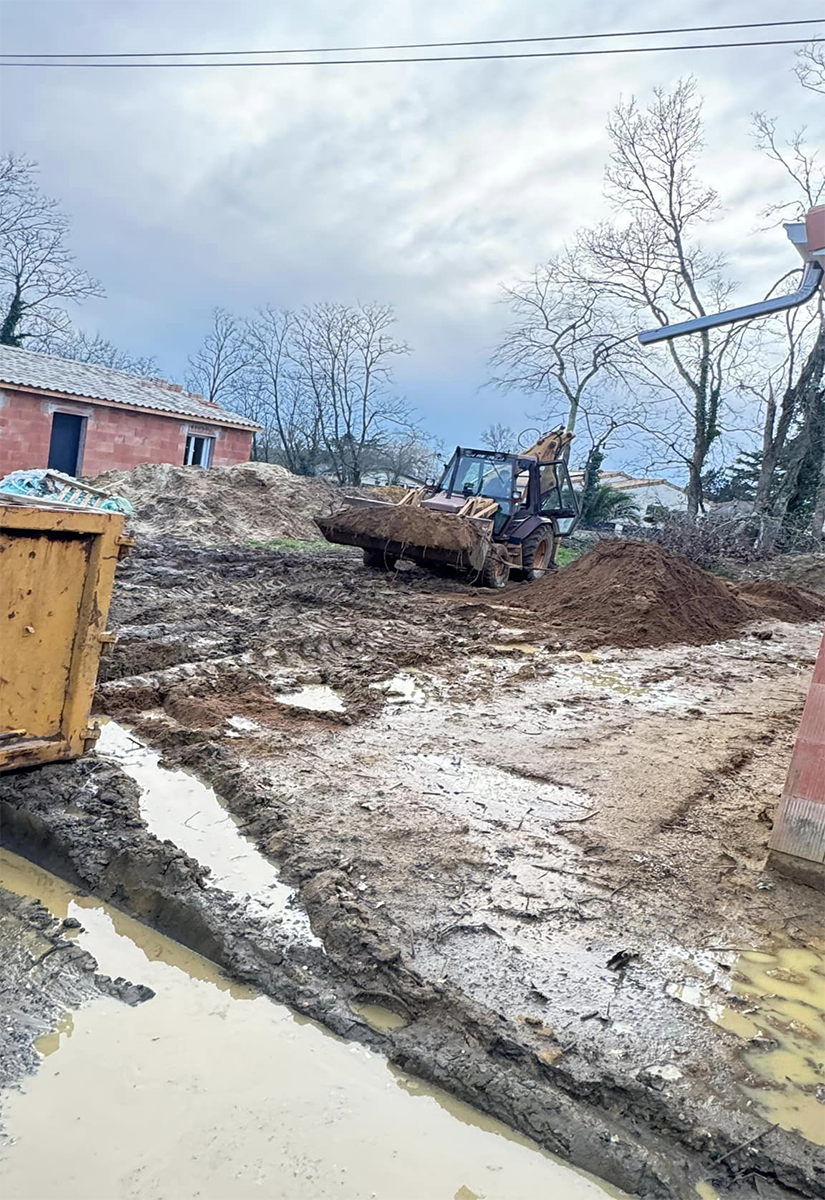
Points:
(541, 811)
(474, 853)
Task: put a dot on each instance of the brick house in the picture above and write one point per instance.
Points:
(82, 419)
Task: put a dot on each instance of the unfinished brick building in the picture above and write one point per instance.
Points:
(82, 419)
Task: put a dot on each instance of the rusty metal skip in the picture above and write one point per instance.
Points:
(57, 570)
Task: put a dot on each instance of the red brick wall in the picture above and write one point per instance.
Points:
(115, 438)
(233, 446)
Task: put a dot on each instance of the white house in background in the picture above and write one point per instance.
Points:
(645, 492)
(381, 479)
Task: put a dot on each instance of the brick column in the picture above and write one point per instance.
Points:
(797, 845)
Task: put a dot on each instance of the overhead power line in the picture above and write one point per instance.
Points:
(351, 62)
(567, 37)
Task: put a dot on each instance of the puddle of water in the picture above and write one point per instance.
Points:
(238, 726)
(177, 806)
(401, 689)
(380, 1018)
(315, 696)
(48, 1043)
(784, 995)
(706, 1191)
(210, 1090)
(121, 945)
(610, 680)
(694, 995)
(521, 647)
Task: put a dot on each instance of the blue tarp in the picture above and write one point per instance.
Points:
(51, 486)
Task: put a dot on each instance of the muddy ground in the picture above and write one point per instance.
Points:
(532, 852)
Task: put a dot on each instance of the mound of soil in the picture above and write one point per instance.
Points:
(768, 597)
(405, 526)
(221, 506)
(633, 594)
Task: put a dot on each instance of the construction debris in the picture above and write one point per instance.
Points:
(52, 488)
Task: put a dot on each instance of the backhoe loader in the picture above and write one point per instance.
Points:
(492, 516)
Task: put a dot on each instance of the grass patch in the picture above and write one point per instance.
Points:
(567, 554)
(286, 543)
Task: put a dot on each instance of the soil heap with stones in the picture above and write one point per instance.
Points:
(217, 507)
(633, 594)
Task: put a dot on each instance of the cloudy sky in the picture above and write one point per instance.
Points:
(422, 185)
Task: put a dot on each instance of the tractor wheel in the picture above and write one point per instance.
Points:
(376, 560)
(537, 556)
(495, 572)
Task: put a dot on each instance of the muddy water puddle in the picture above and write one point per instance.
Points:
(777, 1006)
(177, 806)
(380, 1018)
(210, 1090)
(315, 697)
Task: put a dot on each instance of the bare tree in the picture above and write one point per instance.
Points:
(793, 428)
(651, 264)
(37, 272)
(288, 409)
(216, 370)
(344, 358)
(409, 457)
(80, 346)
(562, 337)
(318, 382)
(499, 437)
(799, 162)
(810, 67)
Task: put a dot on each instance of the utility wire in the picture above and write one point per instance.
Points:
(349, 62)
(568, 37)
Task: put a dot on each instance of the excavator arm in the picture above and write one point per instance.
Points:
(549, 446)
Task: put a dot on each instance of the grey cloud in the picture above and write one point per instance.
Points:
(421, 185)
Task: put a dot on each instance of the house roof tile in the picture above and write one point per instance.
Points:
(90, 381)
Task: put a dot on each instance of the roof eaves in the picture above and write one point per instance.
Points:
(206, 413)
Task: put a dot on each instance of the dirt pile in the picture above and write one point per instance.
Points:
(783, 601)
(221, 506)
(634, 594)
(404, 526)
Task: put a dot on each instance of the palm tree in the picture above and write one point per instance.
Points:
(606, 503)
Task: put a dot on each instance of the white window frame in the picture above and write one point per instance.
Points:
(207, 453)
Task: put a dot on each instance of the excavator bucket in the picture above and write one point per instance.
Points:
(407, 531)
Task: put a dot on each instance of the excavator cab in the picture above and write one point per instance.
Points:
(517, 484)
(476, 475)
